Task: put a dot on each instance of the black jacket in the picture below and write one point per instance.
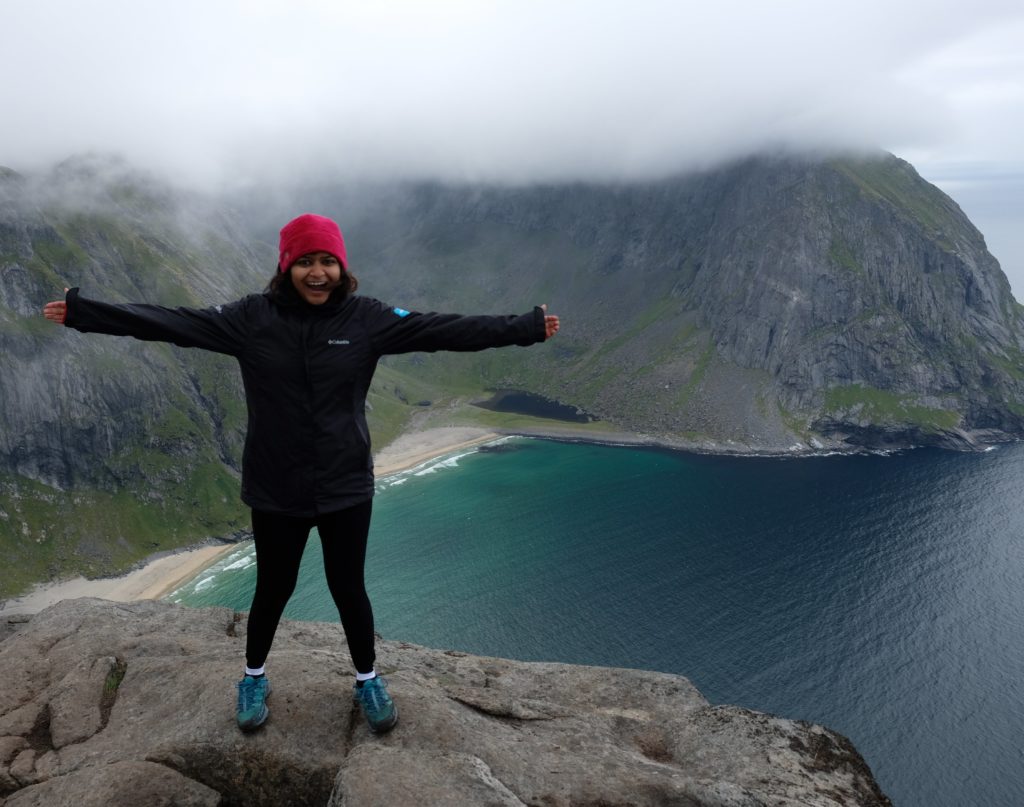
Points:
(306, 370)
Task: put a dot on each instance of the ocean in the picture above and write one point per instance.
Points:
(881, 596)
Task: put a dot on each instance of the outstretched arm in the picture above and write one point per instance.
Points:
(221, 328)
(395, 330)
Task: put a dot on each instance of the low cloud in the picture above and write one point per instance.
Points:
(496, 91)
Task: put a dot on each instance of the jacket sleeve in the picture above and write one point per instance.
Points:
(394, 330)
(220, 329)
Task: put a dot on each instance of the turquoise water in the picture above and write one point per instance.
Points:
(881, 596)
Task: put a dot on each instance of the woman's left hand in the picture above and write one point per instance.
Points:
(56, 311)
(550, 322)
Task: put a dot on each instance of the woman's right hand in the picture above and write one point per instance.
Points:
(56, 311)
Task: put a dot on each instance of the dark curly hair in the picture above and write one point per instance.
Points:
(281, 289)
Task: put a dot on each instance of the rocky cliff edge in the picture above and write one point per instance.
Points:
(132, 704)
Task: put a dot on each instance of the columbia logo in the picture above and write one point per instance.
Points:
(337, 341)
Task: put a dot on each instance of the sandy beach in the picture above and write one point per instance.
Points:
(413, 449)
(154, 580)
(161, 575)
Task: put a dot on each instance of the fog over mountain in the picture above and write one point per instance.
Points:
(506, 91)
(228, 93)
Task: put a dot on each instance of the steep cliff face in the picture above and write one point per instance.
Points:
(111, 449)
(79, 724)
(770, 302)
(107, 451)
(867, 296)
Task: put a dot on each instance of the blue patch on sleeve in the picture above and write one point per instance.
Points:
(401, 312)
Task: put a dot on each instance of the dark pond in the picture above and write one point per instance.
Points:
(526, 403)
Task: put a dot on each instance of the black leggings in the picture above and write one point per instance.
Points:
(280, 542)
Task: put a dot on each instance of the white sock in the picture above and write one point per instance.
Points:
(257, 671)
(366, 676)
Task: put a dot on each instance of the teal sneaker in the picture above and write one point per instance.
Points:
(252, 702)
(380, 711)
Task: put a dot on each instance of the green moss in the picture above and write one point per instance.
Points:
(652, 314)
(896, 182)
(797, 424)
(49, 534)
(697, 376)
(60, 254)
(174, 425)
(840, 254)
(49, 276)
(146, 258)
(880, 406)
(219, 382)
(1012, 363)
(397, 393)
(114, 679)
(36, 328)
(387, 418)
(590, 391)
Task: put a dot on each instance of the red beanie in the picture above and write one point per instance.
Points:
(310, 233)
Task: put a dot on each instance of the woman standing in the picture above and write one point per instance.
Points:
(307, 348)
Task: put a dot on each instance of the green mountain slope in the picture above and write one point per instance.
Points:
(112, 449)
(771, 305)
(767, 305)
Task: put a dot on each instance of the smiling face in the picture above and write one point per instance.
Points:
(315, 276)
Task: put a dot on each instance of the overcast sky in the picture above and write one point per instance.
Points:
(214, 91)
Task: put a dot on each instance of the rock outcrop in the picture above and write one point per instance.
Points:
(132, 704)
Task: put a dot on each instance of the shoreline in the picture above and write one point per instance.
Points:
(415, 448)
(158, 576)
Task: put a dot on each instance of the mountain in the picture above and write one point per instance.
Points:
(772, 305)
(109, 452)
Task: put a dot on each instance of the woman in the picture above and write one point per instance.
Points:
(307, 348)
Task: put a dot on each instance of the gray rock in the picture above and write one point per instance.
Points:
(120, 783)
(22, 768)
(418, 777)
(12, 624)
(76, 713)
(9, 748)
(134, 704)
